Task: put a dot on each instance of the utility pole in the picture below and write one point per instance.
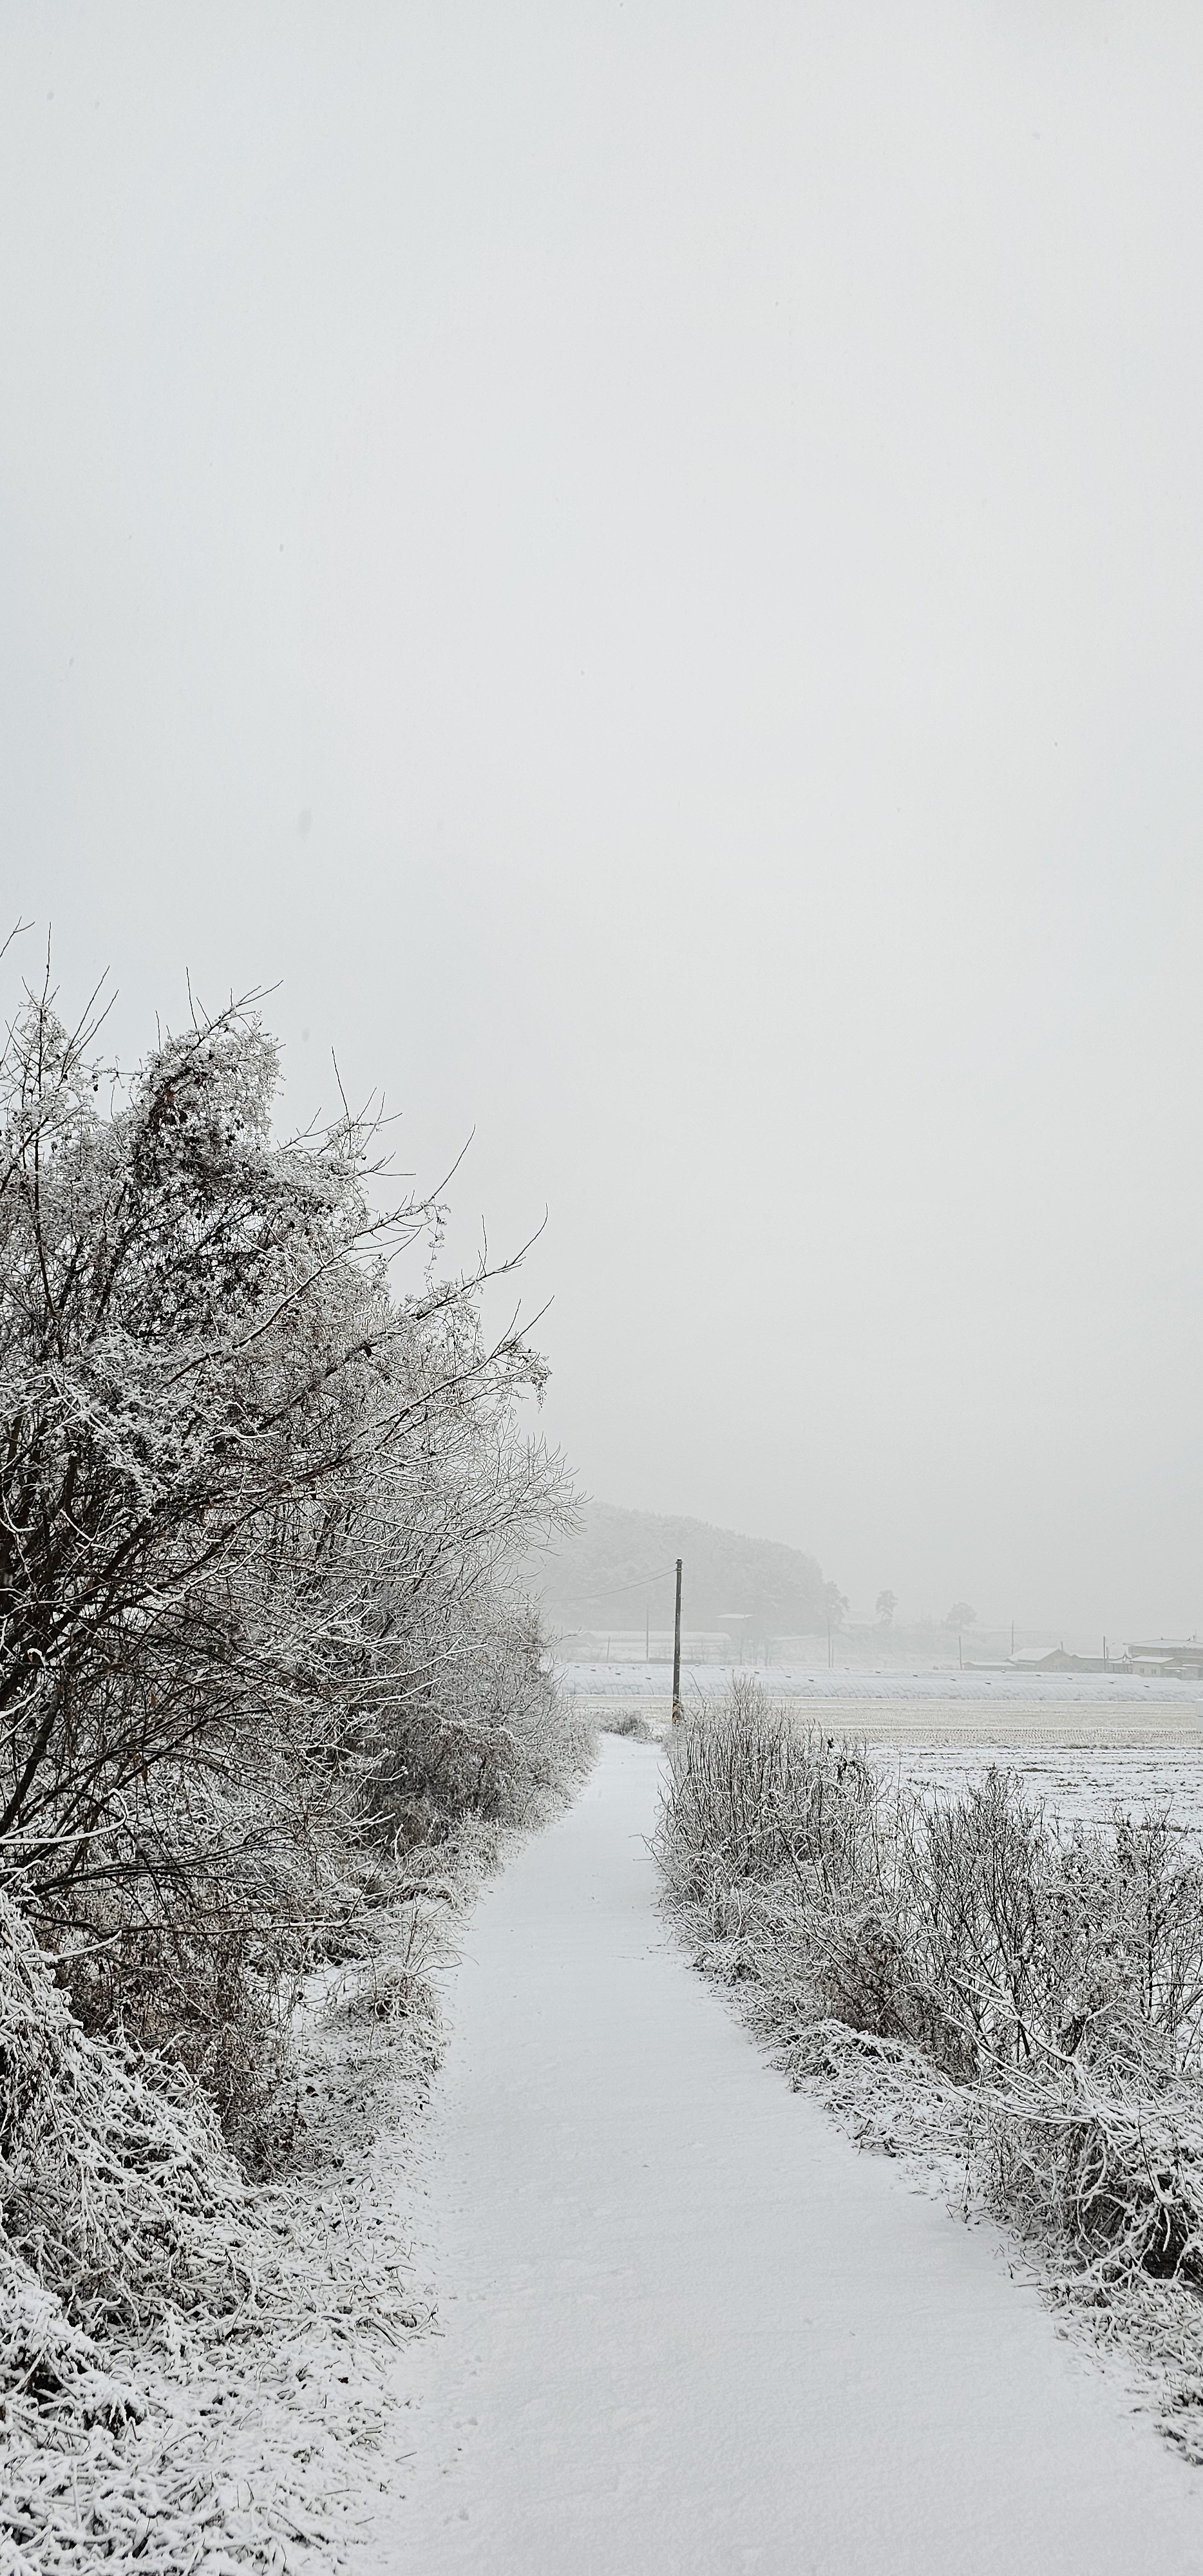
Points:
(677, 1651)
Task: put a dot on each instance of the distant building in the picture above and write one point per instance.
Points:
(1177, 1658)
(1167, 1658)
(1054, 1659)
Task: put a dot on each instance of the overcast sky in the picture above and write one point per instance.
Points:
(645, 562)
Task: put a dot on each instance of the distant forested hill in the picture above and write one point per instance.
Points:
(617, 1569)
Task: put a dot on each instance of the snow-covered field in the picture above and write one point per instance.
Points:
(1086, 1743)
(1082, 1783)
(944, 1707)
(685, 2326)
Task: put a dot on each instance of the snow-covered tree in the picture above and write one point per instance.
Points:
(255, 1516)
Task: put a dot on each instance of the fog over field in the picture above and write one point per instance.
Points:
(644, 564)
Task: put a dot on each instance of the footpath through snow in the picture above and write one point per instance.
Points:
(686, 2327)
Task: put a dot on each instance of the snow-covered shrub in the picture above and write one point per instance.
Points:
(236, 2405)
(256, 1515)
(1115, 2173)
(758, 1800)
(485, 1731)
(260, 1655)
(1057, 1980)
(120, 2199)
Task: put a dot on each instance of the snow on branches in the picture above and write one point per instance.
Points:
(259, 1642)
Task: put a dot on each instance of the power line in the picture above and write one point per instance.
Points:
(613, 1589)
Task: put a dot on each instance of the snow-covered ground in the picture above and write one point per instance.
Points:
(1082, 1784)
(936, 1682)
(941, 1706)
(686, 2328)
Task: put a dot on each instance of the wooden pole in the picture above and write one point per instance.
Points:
(677, 1650)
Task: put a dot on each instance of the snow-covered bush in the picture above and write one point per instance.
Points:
(119, 2195)
(228, 2392)
(1054, 1982)
(760, 1801)
(256, 1515)
(485, 1731)
(260, 1658)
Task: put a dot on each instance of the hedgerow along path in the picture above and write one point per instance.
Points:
(686, 2328)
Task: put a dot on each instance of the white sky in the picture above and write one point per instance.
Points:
(645, 560)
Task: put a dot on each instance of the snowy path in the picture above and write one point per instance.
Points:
(687, 2327)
